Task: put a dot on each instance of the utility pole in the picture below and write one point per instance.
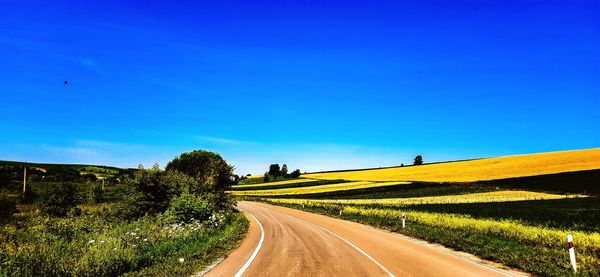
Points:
(24, 179)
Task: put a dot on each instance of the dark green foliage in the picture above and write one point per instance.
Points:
(274, 170)
(59, 200)
(585, 181)
(284, 171)
(151, 191)
(88, 177)
(188, 207)
(210, 170)
(29, 196)
(146, 193)
(418, 160)
(295, 173)
(8, 206)
(179, 183)
(267, 177)
(96, 194)
(5, 178)
(62, 174)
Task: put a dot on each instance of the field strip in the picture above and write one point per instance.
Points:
(268, 184)
(260, 242)
(483, 197)
(318, 189)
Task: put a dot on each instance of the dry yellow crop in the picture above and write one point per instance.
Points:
(317, 189)
(478, 170)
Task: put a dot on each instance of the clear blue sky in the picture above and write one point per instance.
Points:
(314, 84)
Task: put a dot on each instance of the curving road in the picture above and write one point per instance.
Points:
(288, 242)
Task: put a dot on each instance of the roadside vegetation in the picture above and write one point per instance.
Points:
(175, 221)
(521, 221)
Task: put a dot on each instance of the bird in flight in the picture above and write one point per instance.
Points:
(66, 82)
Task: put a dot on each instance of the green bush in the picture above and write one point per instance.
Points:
(59, 200)
(8, 206)
(29, 196)
(145, 193)
(188, 207)
(151, 191)
(96, 194)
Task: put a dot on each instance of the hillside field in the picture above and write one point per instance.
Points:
(477, 170)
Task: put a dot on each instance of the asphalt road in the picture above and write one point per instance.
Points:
(288, 242)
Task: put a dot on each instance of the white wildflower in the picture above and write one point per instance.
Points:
(145, 239)
(91, 241)
(181, 260)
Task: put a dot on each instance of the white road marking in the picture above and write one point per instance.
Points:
(348, 242)
(251, 259)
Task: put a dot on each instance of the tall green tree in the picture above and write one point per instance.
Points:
(418, 160)
(284, 170)
(210, 170)
(274, 170)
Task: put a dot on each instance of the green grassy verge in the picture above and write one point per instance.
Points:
(96, 245)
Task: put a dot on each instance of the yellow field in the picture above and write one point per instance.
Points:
(478, 170)
(316, 189)
(286, 182)
(483, 197)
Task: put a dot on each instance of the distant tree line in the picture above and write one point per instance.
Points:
(275, 172)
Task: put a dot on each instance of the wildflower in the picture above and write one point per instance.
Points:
(101, 241)
(115, 249)
(145, 239)
(91, 241)
(137, 237)
(181, 260)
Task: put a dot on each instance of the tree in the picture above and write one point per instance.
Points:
(295, 173)
(267, 177)
(210, 170)
(418, 160)
(146, 193)
(59, 200)
(401, 165)
(274, 170)
(96, 194)
(155, 166)
(284, 170)
(140, 166)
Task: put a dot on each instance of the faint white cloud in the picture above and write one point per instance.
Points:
(220, 140)
(93, 65)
